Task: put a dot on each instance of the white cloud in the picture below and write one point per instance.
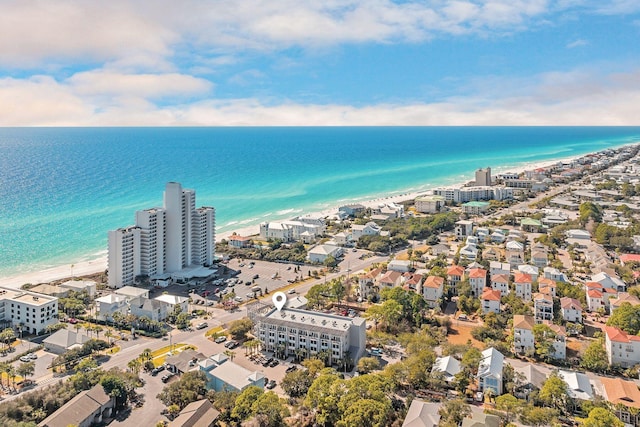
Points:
(577, 43)
(573, 98)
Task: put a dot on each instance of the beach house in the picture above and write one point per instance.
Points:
(522, 284)
(490, 301)
(523, 339)
(622, 349)
(571, 310)
(223, 374)
(514, 253)
(432, 290)
(623, 398)
(542, 307)
(477, 280)
(490, 371)
(368, 229)
(500, 282)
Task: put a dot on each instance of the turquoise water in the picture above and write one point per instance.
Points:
(62, 189)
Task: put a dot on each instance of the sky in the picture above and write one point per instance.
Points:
(319, 63)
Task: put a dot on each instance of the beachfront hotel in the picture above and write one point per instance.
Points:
(29, 311)
(291, 332)
(163, 240)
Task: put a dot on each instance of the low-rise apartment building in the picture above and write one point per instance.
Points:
(30, 311)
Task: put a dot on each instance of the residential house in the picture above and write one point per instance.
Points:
(320, 253)
(522, 283)
(200, 413)
(237, 241)
(500, 282)
(498, 236)
(523, 339)
(463, 229)
(475, 207)
(491, 254)
(455, 274)
(449, 366)
(499, 268)
(390, 279)
(609, 282)
(173, 301)
(599, 296)
(413, 281)
(478, 419)
(87, 408)
(222, 374)
(422, 414)
(469, 252)
(578, 385)
(367, 282)
(432, 290)
(184, 361)
(150, 308)
(624, 399)
(368, 229)
(132, 292)
(622, 349)
(623, 297)
(560, 343)
(554, 274)
(477, 280)
(539, 258)
(542, 307)
(578, 234)
(440, 249)
(514, 253)
(399, 265)
(571, 310)
(88, 286)
(352, 210)
(108, 305)
(531, 379)
(490, 371)
(547, 286)
(429, 204)
(490, 301)
(531, 270)
(64, 340)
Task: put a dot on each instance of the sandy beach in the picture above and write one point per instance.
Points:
(100, 264)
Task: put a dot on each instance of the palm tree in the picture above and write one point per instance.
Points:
(98, 329)
(230, 354)
(135, 365)
(26, 369)
(4, 369)
(11, 373)
(146, 355)
(108, 334)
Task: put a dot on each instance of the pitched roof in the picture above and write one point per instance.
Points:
(422, 414)
(481, 420)
(500, 278)
(533, 376)
(540, 297)
(629, 257)
(448, 365)
(65, 338)
(617, 391)
(570, 303)
(523, 322)
(79, 409)
(391, 277)
(491, 295)
(594, 293)
(618, 335)
(625, 297)
(522, 278)
(579, 386)
(433, 282)
(492, 363)
(477, 273)
(200, 413)
(455, 270)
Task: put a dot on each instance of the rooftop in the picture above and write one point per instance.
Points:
(312, 320)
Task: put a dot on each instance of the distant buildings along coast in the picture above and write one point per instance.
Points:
(164, 240)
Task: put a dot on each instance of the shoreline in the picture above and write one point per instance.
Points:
(99, 264)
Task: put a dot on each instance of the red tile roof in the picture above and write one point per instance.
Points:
(490, 295)
(522, 278)
(500, 278)
(630, 257)
(618, 391)
(433, 282)
(594, 293)
(570, 303)
(618, 335)
(455, 270)
(477, 273)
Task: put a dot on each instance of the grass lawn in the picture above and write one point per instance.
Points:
(160, 355)
(213, 331)
(113, 350)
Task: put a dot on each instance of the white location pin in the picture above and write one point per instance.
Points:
(279, 300)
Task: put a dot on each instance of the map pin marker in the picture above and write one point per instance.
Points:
(279, 300)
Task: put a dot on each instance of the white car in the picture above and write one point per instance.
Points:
(238, 298)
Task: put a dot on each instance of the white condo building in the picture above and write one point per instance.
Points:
(30, 311)
(163, 240)
(289, 331)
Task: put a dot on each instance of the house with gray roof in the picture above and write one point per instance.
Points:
(87, 408)
(448, 365)
(490, 371)
(200, 413)
(64, 340)
(222, 374)
(422, 414)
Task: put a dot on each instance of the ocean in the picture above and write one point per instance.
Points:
(62, 189)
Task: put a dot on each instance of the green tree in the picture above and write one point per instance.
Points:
(537, 417)
(368, 364)
(595, 357)
(627, 318)
(189, 388)
(452, 412)
(544, 338)
(244, 402)
(601, 417)
(239, 328)
(322, 396)
(116, 387)
(471, 359)
(297, 383)
(26, 370)
(554, 391)
(366, 413)
(269, 410)
(508, 404)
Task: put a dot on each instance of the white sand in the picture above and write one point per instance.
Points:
(100, 264)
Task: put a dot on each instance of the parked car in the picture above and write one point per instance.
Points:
(274, 363)
(166, 377)
(256, 276)
(231, 344)
(156, 371)
(32, 356)
(271, 384)
(292, 291)
(220, 339)
(291, 369)
(25, 358)
(267, 362)
(202, 325)
(73, 321)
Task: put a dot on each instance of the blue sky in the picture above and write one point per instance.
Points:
(330, 62)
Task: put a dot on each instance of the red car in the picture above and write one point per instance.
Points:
(73, 321)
